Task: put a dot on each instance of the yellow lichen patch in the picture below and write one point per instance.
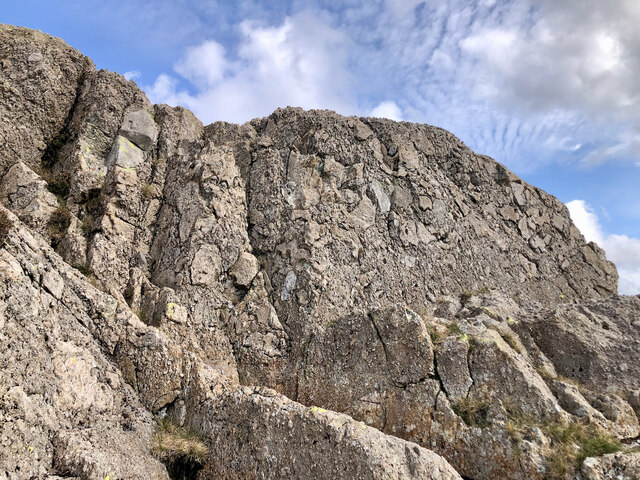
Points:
(171, 310)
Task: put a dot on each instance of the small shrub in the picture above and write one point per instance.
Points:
(180, 449)
(148, 191)
(438, 336)
(6, 224)
(87, 225)
(50, 155)
(93, 208)
(59, 224)
(473, 411)
(59, 185)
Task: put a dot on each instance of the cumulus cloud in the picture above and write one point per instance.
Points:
(203, 65)
(622, 250)
(388, 110)
(301, 62)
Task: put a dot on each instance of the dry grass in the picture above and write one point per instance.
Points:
(173, 443)
(512, 342)
(438, 335)
(571, 442)
(148, 191)
(6, 224)
(466, 294)
(59, 223)
(473, 411)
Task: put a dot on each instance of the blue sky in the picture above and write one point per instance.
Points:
(548, 88)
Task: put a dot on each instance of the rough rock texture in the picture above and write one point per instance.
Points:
(315, 296)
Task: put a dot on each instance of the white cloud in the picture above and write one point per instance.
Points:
(388, 110)
(622, 250)
(586, 219)
(132, 75)
(302, 62)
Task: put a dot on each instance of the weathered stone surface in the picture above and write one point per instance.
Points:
(453, 368)
(26, 194)
(57, 378)
(327, 445)
(613, 466)
(596, 343)
(245, 269)
(125, 154)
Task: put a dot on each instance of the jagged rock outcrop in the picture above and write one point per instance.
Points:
(315, 296)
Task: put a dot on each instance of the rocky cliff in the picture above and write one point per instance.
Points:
(303, 296)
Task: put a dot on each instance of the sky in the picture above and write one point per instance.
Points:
(548, 88)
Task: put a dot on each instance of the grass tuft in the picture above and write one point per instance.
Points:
(59, 224)
(466, 294)
(473, 411)
(148, 191)
(173, 443)
(439, 335)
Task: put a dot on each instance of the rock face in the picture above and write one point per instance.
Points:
(314, 296)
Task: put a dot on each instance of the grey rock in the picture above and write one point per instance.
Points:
(125, 154)
(245, 269)
(139, 127)
(384, 204)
